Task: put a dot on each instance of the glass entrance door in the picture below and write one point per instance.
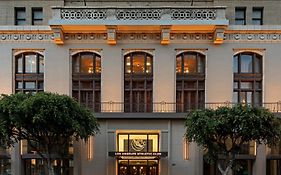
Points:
(138, 167)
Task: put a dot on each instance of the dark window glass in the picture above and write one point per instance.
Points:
(138, 82)
(20, 16)
(240, 16)
(37, 16)
(257, 16)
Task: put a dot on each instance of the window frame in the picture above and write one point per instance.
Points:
(254, 78)
(243, 19)
(33, 19)
(24, 77)
(182, 83)
(16, 11)
(138, 84)
(257, 9)
(80, 90)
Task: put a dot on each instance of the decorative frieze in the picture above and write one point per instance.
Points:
(252, 37)
(26, 37)
(193, 14)
(138, 14)
(83, 14)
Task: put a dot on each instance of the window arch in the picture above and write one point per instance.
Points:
(29, 72)
(138, 82)
(190, 81)
(247, 71)
(86, 79)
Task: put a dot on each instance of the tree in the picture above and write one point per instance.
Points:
(223, 131)
(46, 121)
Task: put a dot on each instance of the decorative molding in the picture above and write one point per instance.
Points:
(165, 35)
(75, 51)
(199, 50)
(111, 35)
(83, 14)
(138, 14)
(219, 34)
(20, 51)
(85, 37)
(58, 34)
(149, 51)
(252, 37)
(259, 51)
(31, 37)
(193, 14)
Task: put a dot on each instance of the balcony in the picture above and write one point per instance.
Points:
(166, 107)
(69, 19)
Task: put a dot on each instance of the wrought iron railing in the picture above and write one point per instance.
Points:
(170, 107)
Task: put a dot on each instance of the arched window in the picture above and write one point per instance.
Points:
(247, 70)
(190, 86)
(29, 72)
(138, 82)
(86, 79)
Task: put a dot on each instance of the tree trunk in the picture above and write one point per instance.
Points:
(225, 172)
(50, 167)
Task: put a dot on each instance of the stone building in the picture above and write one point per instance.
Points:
(140, 65)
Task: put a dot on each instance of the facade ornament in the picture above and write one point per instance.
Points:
(165, 35)
(58, 34)
(111, 35)
(219, 34)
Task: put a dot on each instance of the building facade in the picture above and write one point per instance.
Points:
(140, 66)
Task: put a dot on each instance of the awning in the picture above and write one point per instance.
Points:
(138, 155)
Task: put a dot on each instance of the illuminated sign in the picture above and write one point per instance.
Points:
(146, 154)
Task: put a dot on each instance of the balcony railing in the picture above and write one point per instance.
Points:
(168, 107)
(143, 15)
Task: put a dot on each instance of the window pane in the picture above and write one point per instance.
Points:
(179, 63)
(19, 85)
(235, 64)
(30, 63)
(37, 22)
(201, 64)
(148, 65)
(240, 14)
(235, 85)
(256, 22)
(30, 85)
(257, 13)
(138, 63)
(258, 63)
(257, 98)
(246, 85)
(189, 63)
(75, 64)
(19, 65)
(246, 63)
(37, 14)
(98, 64)
(249, 97)
(20, 14)
(41, 64)
(41, 85)
(86, 63)
(128, 64)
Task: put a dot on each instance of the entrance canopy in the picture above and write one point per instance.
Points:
(138, 155)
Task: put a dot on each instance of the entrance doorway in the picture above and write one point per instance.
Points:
(138, 167)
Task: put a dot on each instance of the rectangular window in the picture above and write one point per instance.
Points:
(20, 16)
(240, 15)
(37, 16)
(257, 16)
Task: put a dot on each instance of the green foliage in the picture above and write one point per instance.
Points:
(46, 118)
(224, 130)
